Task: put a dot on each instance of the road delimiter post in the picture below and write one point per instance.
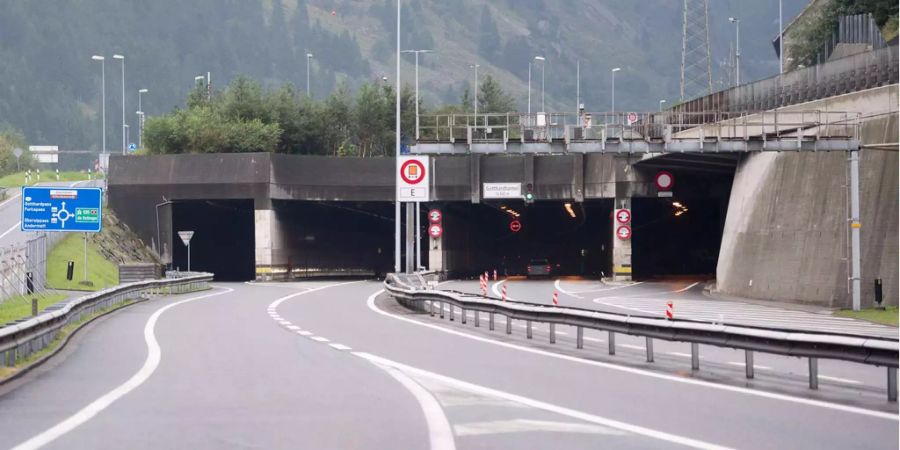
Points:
(462, 315)
(649, 349)
(612, 343)
(491, 321)
(695, 356)
(508, 325)
(892, 384)
(441, 304)
(528, 329)
(579, 337)
(477, 319)
(552, 333)
(748, 362)
(814, 373)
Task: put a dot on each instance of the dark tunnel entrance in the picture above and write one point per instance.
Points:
(223, 241)
(478, 237)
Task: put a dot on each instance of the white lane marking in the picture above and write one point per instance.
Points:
(339, 346)
(319, 339)
(482, 390)
(611, 288)
(683, 355)
(560, 289)
(305, 333)
(440, 434)
(11, 229)
(529, 425)
(701, 383)
(840, 380)
(293, 327)
(154, 355)
(496, 289)
(689, 286)
(755, 366)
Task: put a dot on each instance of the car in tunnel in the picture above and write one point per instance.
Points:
(539, 267)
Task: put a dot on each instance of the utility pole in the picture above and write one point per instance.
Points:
(855, 279)
(780, 40)
(418, 204)
(737, 49)
(397, 267)
(696, 65)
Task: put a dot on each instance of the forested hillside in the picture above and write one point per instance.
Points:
(50, 87)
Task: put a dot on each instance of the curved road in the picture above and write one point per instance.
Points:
(336, 365)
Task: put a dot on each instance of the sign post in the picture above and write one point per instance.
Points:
(186, 239)
(413, 186)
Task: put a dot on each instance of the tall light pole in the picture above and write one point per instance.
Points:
(418, 204)
(308, 58)
(780, 40)
(529, 87)
(737, 49)
(661, 105)
(127, 131)
(140, 114)
(102, 99)
(577, 87)
(612, 74)
(124, 138)
(543, 62)
(397, 150)
(475, 100)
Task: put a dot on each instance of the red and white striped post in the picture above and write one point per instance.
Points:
(503, 292)
(670, 310)
(495, 274)
(556, 298)
(484, 285)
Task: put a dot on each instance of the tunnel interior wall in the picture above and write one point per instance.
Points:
(786, 234)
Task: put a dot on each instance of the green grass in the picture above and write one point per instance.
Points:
(101, 272)
(888, 316)
(18, 179)
(19, 307)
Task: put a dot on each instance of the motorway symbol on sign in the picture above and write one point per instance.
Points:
(435, 230)
(623, 216)
(46, 208)
(664, 181)
(132, 146)
(435, 216)
(632, 118)
(186, 236)
(515, 226)
(623, 232)
(412, 179)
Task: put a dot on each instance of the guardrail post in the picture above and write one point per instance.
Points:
(814, 373)
(508, 325)
(579, 337)
(748, 362)
(431, 307)
(462, 315)
(491, 321)
(612, 343)
(441, 305)
(477, 319)
(649, 349)
(451, 313)
(528, 329)
(552, 333)
(695, 356)
(892, 384)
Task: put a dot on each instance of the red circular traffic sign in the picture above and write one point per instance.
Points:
(435, 216)
(623, 232)
(664, 181)
(515, 226)
(632, 118)
(623, 216)
(412, 171)
(435, 230)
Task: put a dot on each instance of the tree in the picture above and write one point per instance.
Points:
(492, 98)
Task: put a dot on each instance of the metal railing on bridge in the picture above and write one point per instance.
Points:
(638, 132)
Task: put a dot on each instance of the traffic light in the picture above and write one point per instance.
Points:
(529, 193)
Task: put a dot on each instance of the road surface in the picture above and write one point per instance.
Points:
(339, 365)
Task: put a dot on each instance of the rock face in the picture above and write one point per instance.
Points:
(118, 244)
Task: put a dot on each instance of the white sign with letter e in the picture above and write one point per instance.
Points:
(413, 179)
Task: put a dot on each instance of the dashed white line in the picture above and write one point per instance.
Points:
(340, 347)
(319, 339)
(305, 333)
(293, 327)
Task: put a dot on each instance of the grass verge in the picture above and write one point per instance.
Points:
(887, 316)
(18, 179)
(57, 342)
(101, 273)
(19, 307)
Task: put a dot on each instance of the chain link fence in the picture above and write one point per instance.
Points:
(23, 266)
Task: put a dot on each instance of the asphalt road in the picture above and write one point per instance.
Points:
(335, 365)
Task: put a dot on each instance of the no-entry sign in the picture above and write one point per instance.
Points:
(623, 232)
(435, 216)
(623, 216)
(435, 230)
(664, 181)
(515, 226)
(413, 179)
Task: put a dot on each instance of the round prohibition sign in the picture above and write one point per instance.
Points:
(412, 171)
(515, 226)
(664, 181)
(435, 216)
(623, 216)
(435, 231)
(623, 232)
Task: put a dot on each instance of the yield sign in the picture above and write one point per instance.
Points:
(623, 216)
(186, 236)
(623, 232)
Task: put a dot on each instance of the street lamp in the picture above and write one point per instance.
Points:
(418, 204)
(661, 105)
(124, 138)
(127, 131)
(613, 76)
(308, 58)
(475, 100)
(737, 49)
(542, 60)
(102, 98)
(140, 113)
(416, 52)
(780, 40)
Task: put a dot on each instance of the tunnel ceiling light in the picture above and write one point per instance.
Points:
(677, 204)
(502, 206)
(569, 209)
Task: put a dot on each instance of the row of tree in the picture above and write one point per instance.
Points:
(246, 117)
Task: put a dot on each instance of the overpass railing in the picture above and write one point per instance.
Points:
(21, 339)
(872, 350)
(501, 130)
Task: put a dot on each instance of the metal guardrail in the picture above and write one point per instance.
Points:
(18, 340)
(865, 350)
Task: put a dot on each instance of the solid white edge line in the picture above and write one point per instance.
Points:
(440, 433)
(559, 288)
(339, 346)
(400, 368)
(154, 355)
(695, 382)
(496, 288)
(11, 229)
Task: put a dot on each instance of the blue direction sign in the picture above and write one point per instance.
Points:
(57, 208)
(132, 146)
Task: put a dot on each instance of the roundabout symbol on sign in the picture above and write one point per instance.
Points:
(412, 171)
(515, 226)
(435, 231)
(623, 216)
(623, 232)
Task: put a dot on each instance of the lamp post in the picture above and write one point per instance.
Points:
(416, 52)
(397, 267)
(661, 105)
(543, 62)
(102, 99)
(308, 58)
(529, 87)
(613, 77)
(475, 99)
(140, 113)
(127, 132)
(418, 204)
(737, 49)
(124, 138)
(780, 40)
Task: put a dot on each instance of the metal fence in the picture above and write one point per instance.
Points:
(23, 266)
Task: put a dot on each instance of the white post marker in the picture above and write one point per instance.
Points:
(186, 238)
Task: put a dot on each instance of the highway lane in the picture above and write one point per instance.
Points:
(227, 377)
(870, 380)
